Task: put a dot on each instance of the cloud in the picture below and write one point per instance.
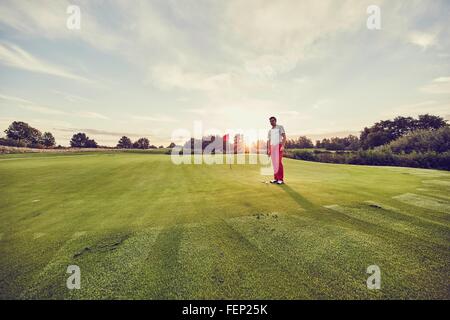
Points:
(198, 111)
(31, 106)
(44, 17)
(102, 132)
(72, 97)
(327, 135)
(321, 103)
(422, 39)
(165, 76)
(295, 115)
(206, 111)
(47, 19)
(215, 48)
(42, 109)
(415, 109)
(90, 114)
(14, 56)
(274, 36)
(300, 80)
(14, 99)
(269, 66)
(138, 29)
(154, 118)
(438, 86)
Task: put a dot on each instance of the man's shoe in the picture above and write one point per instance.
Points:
(273, 181)
(280, 182)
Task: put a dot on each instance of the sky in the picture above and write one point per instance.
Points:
(148, 68)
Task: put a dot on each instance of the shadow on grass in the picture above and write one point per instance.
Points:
(165, 261)
(297, 197)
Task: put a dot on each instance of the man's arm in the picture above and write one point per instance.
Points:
(283, 140)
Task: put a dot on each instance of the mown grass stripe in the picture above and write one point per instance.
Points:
(51, 277)
(109, 264)
(287, 240)
(443, 183)
(424, 202)
(389, 220)
(403, 214)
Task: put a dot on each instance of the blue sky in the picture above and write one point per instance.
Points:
(147, 68)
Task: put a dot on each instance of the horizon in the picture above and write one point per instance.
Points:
(146, 69)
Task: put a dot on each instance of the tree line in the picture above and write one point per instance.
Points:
(420, 148)
(141, 143)
(21, 134)
(379, 134)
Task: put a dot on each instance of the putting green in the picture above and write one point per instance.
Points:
(140, 227)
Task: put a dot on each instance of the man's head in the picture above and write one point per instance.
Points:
(273, 121)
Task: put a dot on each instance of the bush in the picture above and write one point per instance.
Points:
(422, 141)
(381, 157)
(36, 146)
(9, 142)
(302, 155)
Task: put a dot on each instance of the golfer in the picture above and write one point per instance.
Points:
(275, 147)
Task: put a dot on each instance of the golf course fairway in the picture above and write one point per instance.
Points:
(140, 227)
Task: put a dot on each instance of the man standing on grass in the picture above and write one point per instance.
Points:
(275, 148)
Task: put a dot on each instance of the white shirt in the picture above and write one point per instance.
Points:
(274, 135)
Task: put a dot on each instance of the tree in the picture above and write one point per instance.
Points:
(90, 143)
(125, 143)
(48, 140)
(171, 145)
(301, 142)
(304, 142)
(318, 144)
(18, 131)
(35, 138)
(422, 141)
(352, 143)
(80, 140)
(386, 131)
(142, 143)
(347, 143)
(430, 122)
(23, 133)
(375, 139)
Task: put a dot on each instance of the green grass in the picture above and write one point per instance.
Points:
(140, 227)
